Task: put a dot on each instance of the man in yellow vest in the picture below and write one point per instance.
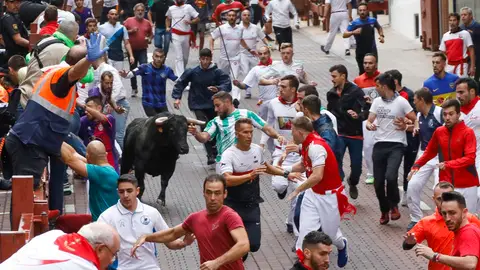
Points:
(40, 131)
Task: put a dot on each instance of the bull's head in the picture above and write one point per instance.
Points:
(175, 128)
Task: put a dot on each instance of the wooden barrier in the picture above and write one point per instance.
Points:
(29, 214)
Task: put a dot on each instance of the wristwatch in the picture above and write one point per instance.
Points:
(286, 173)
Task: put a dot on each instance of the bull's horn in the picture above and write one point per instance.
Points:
(159, 121)
(195, 121)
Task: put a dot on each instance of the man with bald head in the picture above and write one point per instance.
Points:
(102, 177)
(94, 247)
(44, 125)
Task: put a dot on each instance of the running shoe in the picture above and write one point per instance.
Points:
(343, 255)
(369, 180)
(395, 214)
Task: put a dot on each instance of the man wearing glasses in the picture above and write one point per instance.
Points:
(14, 32)
(132, 219)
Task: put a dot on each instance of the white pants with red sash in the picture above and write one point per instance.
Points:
(459, 69)
(321, 212)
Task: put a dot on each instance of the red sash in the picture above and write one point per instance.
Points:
(182, 33)
(77, 245)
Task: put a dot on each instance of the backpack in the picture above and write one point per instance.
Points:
(38, 48)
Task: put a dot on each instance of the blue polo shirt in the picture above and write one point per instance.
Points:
(103, 189)
(429, 124)
(366, 40)
(441, 89)
(154, 84)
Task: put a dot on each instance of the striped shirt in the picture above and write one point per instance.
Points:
(223, 130)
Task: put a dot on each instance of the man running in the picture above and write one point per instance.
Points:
(281, 112)
(434, 230)
(458, 46)
(429, 119)
(340, 15)
(250, 35)
(220, 233)
(179, 18)
(390, 111)
(467, 91)
(278, 12)
(366, 82)
(347, 97)
(441, 83)
(324, 203)
(222, 127)
(456, 145)
(241, 165)
(230, 35)
(363, 29)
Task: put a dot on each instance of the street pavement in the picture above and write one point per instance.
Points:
(371, 245)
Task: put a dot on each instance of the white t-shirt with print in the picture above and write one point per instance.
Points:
(235, 160)
(231, 40)
(180, 14)
(386, 113)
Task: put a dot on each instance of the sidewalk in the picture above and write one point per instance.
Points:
(398, 52)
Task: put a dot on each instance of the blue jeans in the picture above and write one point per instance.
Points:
(162, 39)
(58, 173)
(121, 121)
(355, 148)
(140, 58)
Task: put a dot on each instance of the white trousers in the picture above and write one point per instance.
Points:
(368, 142)
(118, 65)
(247, 62)
(338, 21)
(320, 211)
(225, 65)
(280, 184)
(458, 70)
(416, 185)
(181, 46)
(471, 197)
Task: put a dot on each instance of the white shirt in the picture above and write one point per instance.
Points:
(62, 16)
(110, 3)
(107, 30)
(251, 35)
(266, 92)
(451, 37)
(131, 226)
(338, 5)
(386, 113)
(472, 120)
(42, 248)
(295, 68)
(179, 14)
(231, 38)
(238, 161)
(86, 3)
(118, 91)
(280, 10)
(317, 154)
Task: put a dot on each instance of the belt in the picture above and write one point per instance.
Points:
(331, 191)
(339, 11)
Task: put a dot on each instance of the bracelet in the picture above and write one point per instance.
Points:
(436, 257)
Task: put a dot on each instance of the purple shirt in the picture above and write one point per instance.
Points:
(84, 15)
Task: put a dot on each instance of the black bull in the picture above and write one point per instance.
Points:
(153, 145)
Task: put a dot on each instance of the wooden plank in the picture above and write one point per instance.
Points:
(10, 242)
(26, 226)
(40, 217)
(22, 201)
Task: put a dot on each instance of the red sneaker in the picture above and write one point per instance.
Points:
(395, 214)
(384, 219)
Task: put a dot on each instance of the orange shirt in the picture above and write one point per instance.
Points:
(434, 230)
(4, 97)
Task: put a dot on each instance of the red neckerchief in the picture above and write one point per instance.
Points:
(301, 258)
(269, 62)
(468, 108)
(284, 102)
(77, 245)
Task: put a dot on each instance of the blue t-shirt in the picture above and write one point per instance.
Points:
(428, 125)
(103, 188)
(441, 89)
(366, 40)
(154, 84)
(84, 15)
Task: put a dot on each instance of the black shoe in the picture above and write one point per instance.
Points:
(353, 192)
(347, 52)
(5, 184)
(282, 195)
(323, 50)
(211, 160)
(289, 228)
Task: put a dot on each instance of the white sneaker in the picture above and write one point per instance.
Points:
(404, 199)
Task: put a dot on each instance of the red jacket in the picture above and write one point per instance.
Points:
(457, 149)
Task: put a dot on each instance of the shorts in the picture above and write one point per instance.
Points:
(200, 27)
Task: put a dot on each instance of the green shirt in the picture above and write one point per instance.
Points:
(223, 130)
(103, 189)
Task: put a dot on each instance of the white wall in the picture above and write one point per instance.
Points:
(402, 16)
